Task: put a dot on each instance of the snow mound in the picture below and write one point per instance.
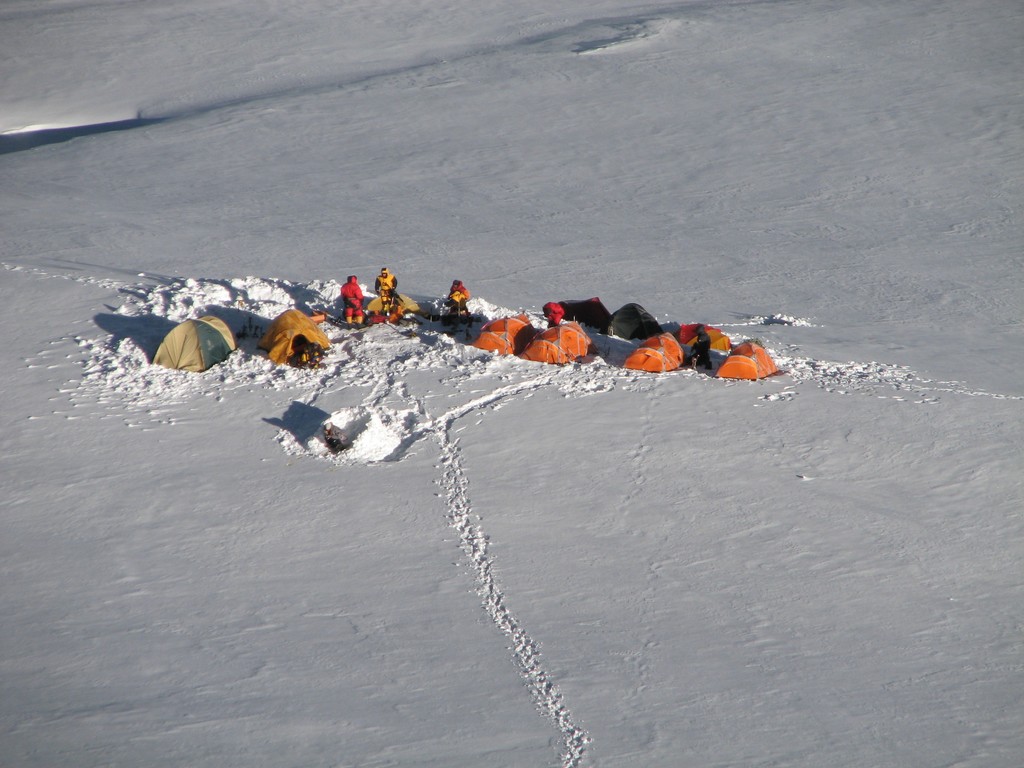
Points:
(379, 359)
(781, 320)
(375, 434)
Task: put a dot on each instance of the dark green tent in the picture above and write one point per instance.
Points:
(633, 322)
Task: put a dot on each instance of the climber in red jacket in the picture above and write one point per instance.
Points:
(352, 296)
(553, 313)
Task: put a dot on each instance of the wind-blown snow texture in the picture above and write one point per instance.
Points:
(514, 564)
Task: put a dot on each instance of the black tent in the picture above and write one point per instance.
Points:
(589, 312)
(633, 322)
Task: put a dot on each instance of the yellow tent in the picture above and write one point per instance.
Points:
(688, 334)
(290, 331)
(407, 304)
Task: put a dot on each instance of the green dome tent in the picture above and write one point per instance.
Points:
(196, 345)
(633, 322)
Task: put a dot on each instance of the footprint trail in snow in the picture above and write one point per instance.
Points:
(391, 420)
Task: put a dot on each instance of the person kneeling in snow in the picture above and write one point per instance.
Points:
(352, 296)
(455, 306)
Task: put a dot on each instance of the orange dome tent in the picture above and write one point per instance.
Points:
(289, 333)
(506, 336)
(658, 354)
(564, 343)
(747, 361)
(688, 334)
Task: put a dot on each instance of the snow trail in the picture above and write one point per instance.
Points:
(473, 541)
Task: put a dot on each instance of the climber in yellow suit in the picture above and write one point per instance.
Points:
(386, 286)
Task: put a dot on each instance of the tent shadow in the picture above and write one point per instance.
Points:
(147, 331)
(304, 421)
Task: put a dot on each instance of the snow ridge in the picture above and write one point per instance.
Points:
(844, 378)
(624, 34)
(117, 371)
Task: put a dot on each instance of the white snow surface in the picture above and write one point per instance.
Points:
(514, 564)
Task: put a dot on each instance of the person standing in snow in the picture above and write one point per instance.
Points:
(352, 297)
(701, 348)
(553, 313)
(386, 286)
